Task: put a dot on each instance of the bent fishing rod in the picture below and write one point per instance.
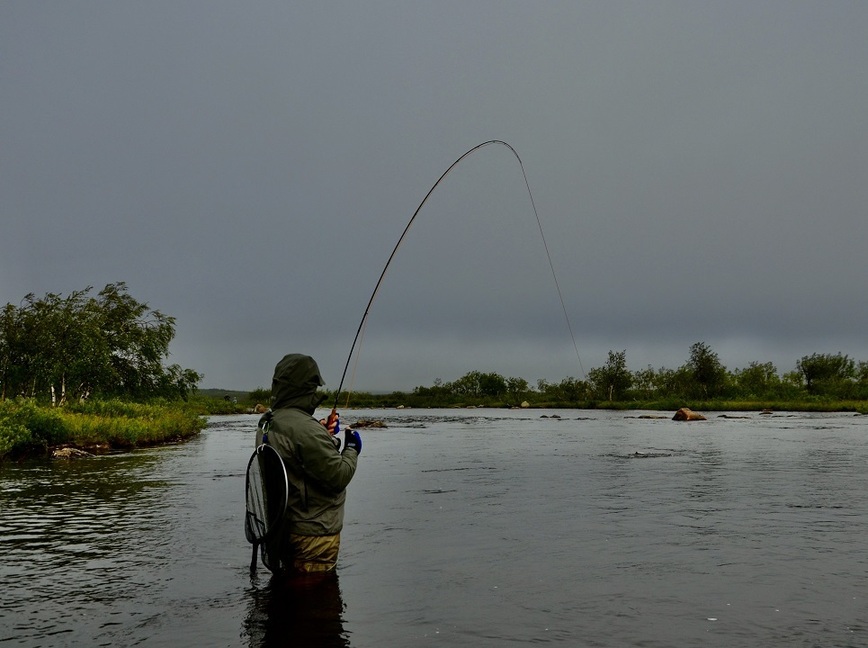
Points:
(404, 234)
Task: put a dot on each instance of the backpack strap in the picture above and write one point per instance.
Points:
(265, 424)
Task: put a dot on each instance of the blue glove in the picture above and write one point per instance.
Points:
(352, 440)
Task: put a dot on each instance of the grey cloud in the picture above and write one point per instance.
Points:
(698, 169)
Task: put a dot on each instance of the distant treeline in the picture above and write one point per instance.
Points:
(820, 381)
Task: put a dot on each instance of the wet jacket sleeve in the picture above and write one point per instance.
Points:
(322, 462)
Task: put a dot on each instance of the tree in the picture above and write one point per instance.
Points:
(613, 379)
(862, 371)
(476, 384)
(492, 385)
(707, 373)
(438, 394)
(11, 348)
(645, 382)
(260, 395)
(568, 390)
(59, 348)
(517, 389)
(571, 390)
(467, 385)
(825, 373)
(758, 380)
(862, 380)
(674, 382)
(138, 339)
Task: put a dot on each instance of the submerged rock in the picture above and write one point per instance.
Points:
(369, 423)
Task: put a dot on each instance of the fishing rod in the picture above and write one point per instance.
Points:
(401, 240)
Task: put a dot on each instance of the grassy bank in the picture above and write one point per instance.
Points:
(30, 429)
(27, 428)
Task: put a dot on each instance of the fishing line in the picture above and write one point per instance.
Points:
(401, 240)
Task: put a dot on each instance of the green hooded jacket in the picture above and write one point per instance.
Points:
(318, 472)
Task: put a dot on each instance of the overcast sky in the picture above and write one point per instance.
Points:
(700, 170)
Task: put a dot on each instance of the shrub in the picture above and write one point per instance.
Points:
(109, 423)
(22, 422)
(12, 433)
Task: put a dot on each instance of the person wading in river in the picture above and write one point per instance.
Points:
(308, 539)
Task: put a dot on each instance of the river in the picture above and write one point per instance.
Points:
(464, 528)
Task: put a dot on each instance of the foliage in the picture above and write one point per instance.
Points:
(26, 425)
(209, 406)
(825, 373)
(22, 422)
(708, 375)
(476, 384)
(13, 431)
(127, 432)
(61, 349)
(613, 379)
(260, 395)
(517, 390)
(438, 395)
(821, 382)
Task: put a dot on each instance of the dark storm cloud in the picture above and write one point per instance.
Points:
(698, 170)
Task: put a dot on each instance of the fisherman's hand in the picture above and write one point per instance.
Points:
(352, 440)
(332, 423)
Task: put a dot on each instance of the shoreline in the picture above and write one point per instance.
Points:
(31, 431)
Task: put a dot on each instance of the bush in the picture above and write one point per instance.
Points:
(24, 423)
(13, 433)
(111, 424)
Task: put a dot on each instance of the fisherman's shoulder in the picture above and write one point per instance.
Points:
(290, 419)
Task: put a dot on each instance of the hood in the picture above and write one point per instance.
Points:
(295, 383)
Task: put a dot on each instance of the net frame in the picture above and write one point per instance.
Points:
(266, 495)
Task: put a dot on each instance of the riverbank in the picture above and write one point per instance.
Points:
(29, 429)
(410, 401)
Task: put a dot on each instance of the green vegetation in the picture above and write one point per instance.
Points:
(29, 428)
(89, 372)
(821, 382)
(62, 349)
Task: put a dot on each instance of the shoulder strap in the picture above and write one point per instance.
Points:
(265, 424)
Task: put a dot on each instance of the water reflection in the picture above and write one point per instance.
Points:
(77, 519)
(298, 611)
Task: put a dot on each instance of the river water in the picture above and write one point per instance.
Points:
(464, 528)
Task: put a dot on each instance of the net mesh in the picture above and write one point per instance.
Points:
(266, 493)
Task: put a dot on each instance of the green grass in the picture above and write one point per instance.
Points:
(27, 428)
(207, 405)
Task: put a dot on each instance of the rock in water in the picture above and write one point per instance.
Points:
(686, 414)
(69, 453)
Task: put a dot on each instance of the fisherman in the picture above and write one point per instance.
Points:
(308, 539)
